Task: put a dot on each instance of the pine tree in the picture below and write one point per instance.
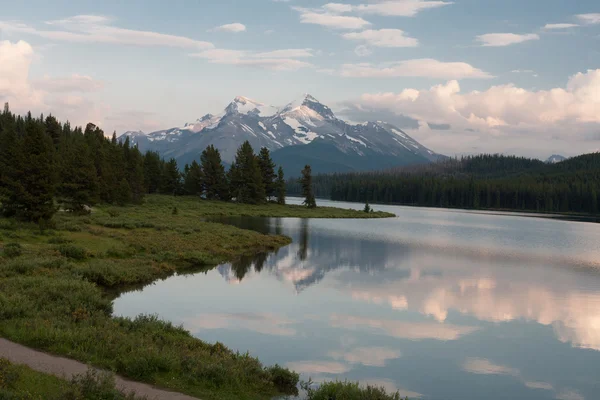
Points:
(152, 172)
(193, 179)
(171, 178)
(280, 187)
(11, 164)
(307, 189)
(214, 183)
(267, 170)
(135, 172)
(367, 208)
(245, 177)
(38, 173)
(78, 179)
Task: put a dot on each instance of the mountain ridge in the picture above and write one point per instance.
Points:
(298, 124)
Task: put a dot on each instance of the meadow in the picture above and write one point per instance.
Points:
(57, 283)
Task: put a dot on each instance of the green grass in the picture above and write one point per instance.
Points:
(57, 286)
(348, 391)
(19, 382)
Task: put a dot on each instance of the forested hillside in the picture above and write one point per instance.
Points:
(485, 181)
(46, 165)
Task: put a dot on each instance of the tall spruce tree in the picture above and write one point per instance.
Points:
(78, 185)
(11, 164)
(171, 179)
(280, 187)
(214, 181)
(307, 189)
(134, 172)
(267, 170)
(193, 179)
(152, 171)
(245, 177)
(38, 173)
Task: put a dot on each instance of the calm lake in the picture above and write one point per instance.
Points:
(439, 304)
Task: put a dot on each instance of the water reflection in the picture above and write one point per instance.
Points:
(444, 311)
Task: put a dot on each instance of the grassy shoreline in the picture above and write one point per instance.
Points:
(56, 288)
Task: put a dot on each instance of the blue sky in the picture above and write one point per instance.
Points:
(465, 76)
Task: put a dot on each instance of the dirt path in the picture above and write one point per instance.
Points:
(66, 368)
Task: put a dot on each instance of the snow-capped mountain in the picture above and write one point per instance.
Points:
(303, 131)
(555, 158)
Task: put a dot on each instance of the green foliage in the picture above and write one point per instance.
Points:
(280, 185)
(73, 252)
(367, 208)
(347, 391)
(480, 182)
(214, 183)
(12, 250)
(22, 383)
(245, 177)
(267, 171)
(171, 178)
(307, 189)
(193, 179)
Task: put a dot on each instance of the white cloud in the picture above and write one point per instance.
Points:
(590, 19)
(15, 61)
(505, 39)
(383, 38)
(318, 367)
(286, 53)
(233, 28)
(426, 67)
(330, 20)
(560, 26)
(362, 51)
(400, 8)
(486, 367)
(503, 116)
(278, 60)
(538, 385)
(73, 83)
(569, 394)
(97, 29)
(266, 323)
(369, 356)
(522, 71)
(338, 8)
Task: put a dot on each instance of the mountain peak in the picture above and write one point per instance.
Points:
(245, 105)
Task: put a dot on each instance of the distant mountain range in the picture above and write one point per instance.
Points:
(555, 158)
(302, 132)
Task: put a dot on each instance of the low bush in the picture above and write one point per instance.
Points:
(12, 250)
(72, 252)
(347, 391)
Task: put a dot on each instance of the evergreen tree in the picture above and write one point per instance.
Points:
(245, 177)
(11, 164)
(171, 180)
(135, 172)
(152, 172)
(193, 179)
(39, 176)
(367, 208)
(214, 182)
(307, 189)
(78, 179)
(267, 170)
(280, 187)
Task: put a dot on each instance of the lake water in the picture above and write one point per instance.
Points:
(439, 304)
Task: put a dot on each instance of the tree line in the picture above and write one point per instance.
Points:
(46, 165)
(478, 182)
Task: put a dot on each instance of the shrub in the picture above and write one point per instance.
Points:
(12, 250)
(8, 375)
(72, 252)
(347, 391)
(284, 380)
(59, 240)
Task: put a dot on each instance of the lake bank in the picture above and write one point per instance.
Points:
(54, 293)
